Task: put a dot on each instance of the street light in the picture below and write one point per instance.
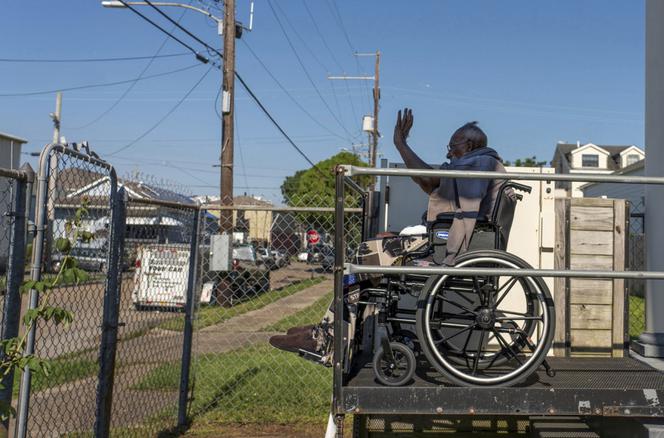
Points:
(220, 21)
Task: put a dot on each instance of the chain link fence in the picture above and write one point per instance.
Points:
(282, 259)
(159, 227)
(6, 208)
(637, 262)
(64, 401)
(15, 187)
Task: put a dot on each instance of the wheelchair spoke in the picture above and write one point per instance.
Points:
(506, 347)
(479, 352)
(456, 305)
(454, 335)
(520, 318)
(509, 285)
(478, 291)
(438, 324)
(508, 312)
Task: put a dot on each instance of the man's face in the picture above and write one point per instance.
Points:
(457, 147)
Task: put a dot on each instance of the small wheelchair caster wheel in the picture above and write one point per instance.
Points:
(397, 370)
(551, 373)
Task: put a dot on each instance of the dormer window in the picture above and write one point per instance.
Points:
(590, 160)
(632, 158)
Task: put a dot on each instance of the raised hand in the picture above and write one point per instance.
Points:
(402, 126)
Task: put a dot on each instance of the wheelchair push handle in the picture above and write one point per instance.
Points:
(518, 186)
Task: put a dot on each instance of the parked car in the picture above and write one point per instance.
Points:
(88, 258)
(267, 258)
(250, 275)
(327, 263)
(327, 260)
(281, 258)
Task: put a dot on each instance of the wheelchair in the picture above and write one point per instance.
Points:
(475, 330)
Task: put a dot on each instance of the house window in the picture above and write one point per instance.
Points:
(589, 160)
(633, 158)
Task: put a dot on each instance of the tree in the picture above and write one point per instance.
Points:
(526, 162)
(314, 187)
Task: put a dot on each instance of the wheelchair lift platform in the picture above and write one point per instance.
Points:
(606, 387)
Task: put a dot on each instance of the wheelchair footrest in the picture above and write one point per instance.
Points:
(314, 357)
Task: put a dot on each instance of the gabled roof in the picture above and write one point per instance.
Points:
(77, 183)
(566, 149)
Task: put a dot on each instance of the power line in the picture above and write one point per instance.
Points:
(177, 24)
(131, 85)
(242, 82)
(340, 22)
(306, 72)
(290, 96)
(80, 60)
(103, 84)
(334, 58)
(160, 121)
(144, 17)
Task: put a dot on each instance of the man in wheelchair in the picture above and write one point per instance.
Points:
(475, 330)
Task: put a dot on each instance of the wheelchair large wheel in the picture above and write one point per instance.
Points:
(486, 330)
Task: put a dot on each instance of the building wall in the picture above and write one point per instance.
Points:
(577, 157)
(10, 153)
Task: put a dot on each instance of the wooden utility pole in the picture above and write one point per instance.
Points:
(227, 107)
(376, 98)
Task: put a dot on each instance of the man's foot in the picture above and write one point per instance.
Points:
(300, 329)
(294, 342)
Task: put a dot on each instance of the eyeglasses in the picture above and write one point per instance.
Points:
(453, 145)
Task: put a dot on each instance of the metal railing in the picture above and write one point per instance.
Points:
(341, 267)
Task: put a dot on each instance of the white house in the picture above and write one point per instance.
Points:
(591, 158)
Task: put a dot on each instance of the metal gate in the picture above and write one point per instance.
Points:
(73, 188)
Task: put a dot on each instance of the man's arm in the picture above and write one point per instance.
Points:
(410, 158)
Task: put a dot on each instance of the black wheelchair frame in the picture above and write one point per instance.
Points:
(392, 334)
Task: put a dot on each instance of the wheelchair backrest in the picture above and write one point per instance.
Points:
(491, 232)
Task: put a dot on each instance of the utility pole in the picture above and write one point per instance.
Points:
(373, 131)
(227, 108)
(376, 98)
(56, 117)
(53, 179)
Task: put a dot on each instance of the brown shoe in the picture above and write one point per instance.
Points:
(300, 329)
(294, 343)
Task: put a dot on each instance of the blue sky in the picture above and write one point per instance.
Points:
(531, 73)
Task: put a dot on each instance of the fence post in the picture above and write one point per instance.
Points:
(109, 332)
(15, 272)
(188, 324)
(35, 274)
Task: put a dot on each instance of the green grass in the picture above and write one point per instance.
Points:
(637, 316)
(255, 384)
(211, 315)
(310, 315)
(61, 370)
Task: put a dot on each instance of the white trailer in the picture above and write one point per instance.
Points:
(160, 279)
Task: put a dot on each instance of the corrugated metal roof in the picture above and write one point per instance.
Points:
(12, 137)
